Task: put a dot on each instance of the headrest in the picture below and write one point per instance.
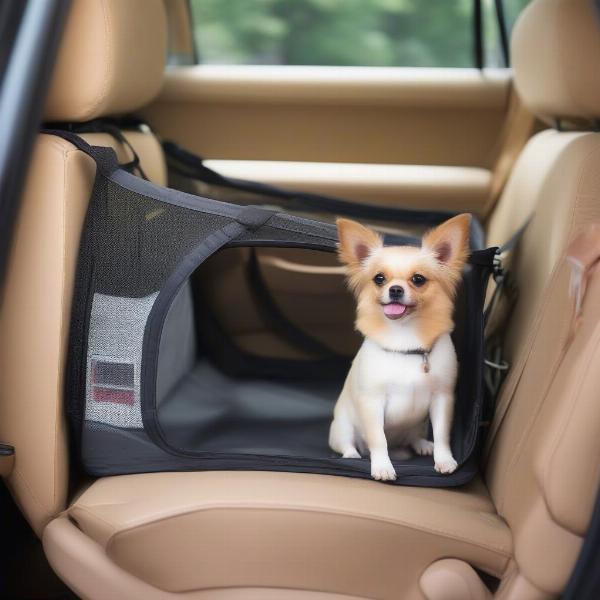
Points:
(111, 59)
(555, 50)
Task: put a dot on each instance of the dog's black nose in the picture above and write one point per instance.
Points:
(396, 292)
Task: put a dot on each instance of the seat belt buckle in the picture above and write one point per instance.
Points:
(498, 269)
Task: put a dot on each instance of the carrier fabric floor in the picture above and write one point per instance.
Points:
(209, 411)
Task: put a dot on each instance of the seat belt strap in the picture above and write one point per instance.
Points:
(107, 126)
(513, 240)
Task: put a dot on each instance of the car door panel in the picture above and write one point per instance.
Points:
(449, 118)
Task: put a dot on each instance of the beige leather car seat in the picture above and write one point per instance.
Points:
(99, 71)
(283, 535)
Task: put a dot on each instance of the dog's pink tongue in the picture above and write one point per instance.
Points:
(394, 310)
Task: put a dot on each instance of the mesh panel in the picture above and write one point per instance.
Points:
(133, 244)
(129, 234)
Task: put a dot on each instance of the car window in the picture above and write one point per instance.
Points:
(394, 33)
(435, 33)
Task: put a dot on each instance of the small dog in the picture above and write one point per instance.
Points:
(406, 367)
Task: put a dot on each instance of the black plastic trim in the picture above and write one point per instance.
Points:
(503, 32)
(478, 35)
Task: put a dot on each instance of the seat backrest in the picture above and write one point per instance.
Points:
(542, 469)
(99, 72)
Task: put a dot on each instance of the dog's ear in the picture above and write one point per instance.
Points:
(356, 242)
(450, 242)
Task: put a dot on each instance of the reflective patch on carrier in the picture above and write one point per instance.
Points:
(112, 382)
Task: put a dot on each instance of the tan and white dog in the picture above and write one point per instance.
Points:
(406, 367)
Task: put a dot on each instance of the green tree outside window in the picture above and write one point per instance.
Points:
(415, 33)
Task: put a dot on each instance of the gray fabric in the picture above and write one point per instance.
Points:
(209, 411)
(115, 336)
(177, 350)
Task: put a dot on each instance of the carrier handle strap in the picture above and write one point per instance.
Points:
(77, 141)
(276, 319)
(106, 158)
(111, 128)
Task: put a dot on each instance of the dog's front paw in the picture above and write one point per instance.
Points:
(382, 469)
(445, 464)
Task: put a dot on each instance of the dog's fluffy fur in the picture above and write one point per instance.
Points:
(388, 395)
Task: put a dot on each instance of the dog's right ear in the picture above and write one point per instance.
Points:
(357, 242)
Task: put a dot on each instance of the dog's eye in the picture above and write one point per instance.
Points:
(379, 279)
(418, 279)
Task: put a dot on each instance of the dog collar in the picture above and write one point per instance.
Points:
(413, 352)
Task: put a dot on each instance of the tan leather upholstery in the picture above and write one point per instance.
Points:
(554, 50)
(35, 316)
(99, 72)
(451, 579)
(444, 117)
(184, 531)
(542, 472)
(34, 325)
(111, 59)
(539, 471)
(555, 176)
(411, 186)
(93, 576)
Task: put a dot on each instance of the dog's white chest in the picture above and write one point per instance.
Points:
(402, 381)
(407, 391)
(394, 371)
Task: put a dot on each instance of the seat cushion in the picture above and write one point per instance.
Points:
(188, 531)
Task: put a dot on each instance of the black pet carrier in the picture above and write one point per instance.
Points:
(209, 335)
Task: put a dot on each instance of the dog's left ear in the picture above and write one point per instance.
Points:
(450, 241)
(356, 242)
